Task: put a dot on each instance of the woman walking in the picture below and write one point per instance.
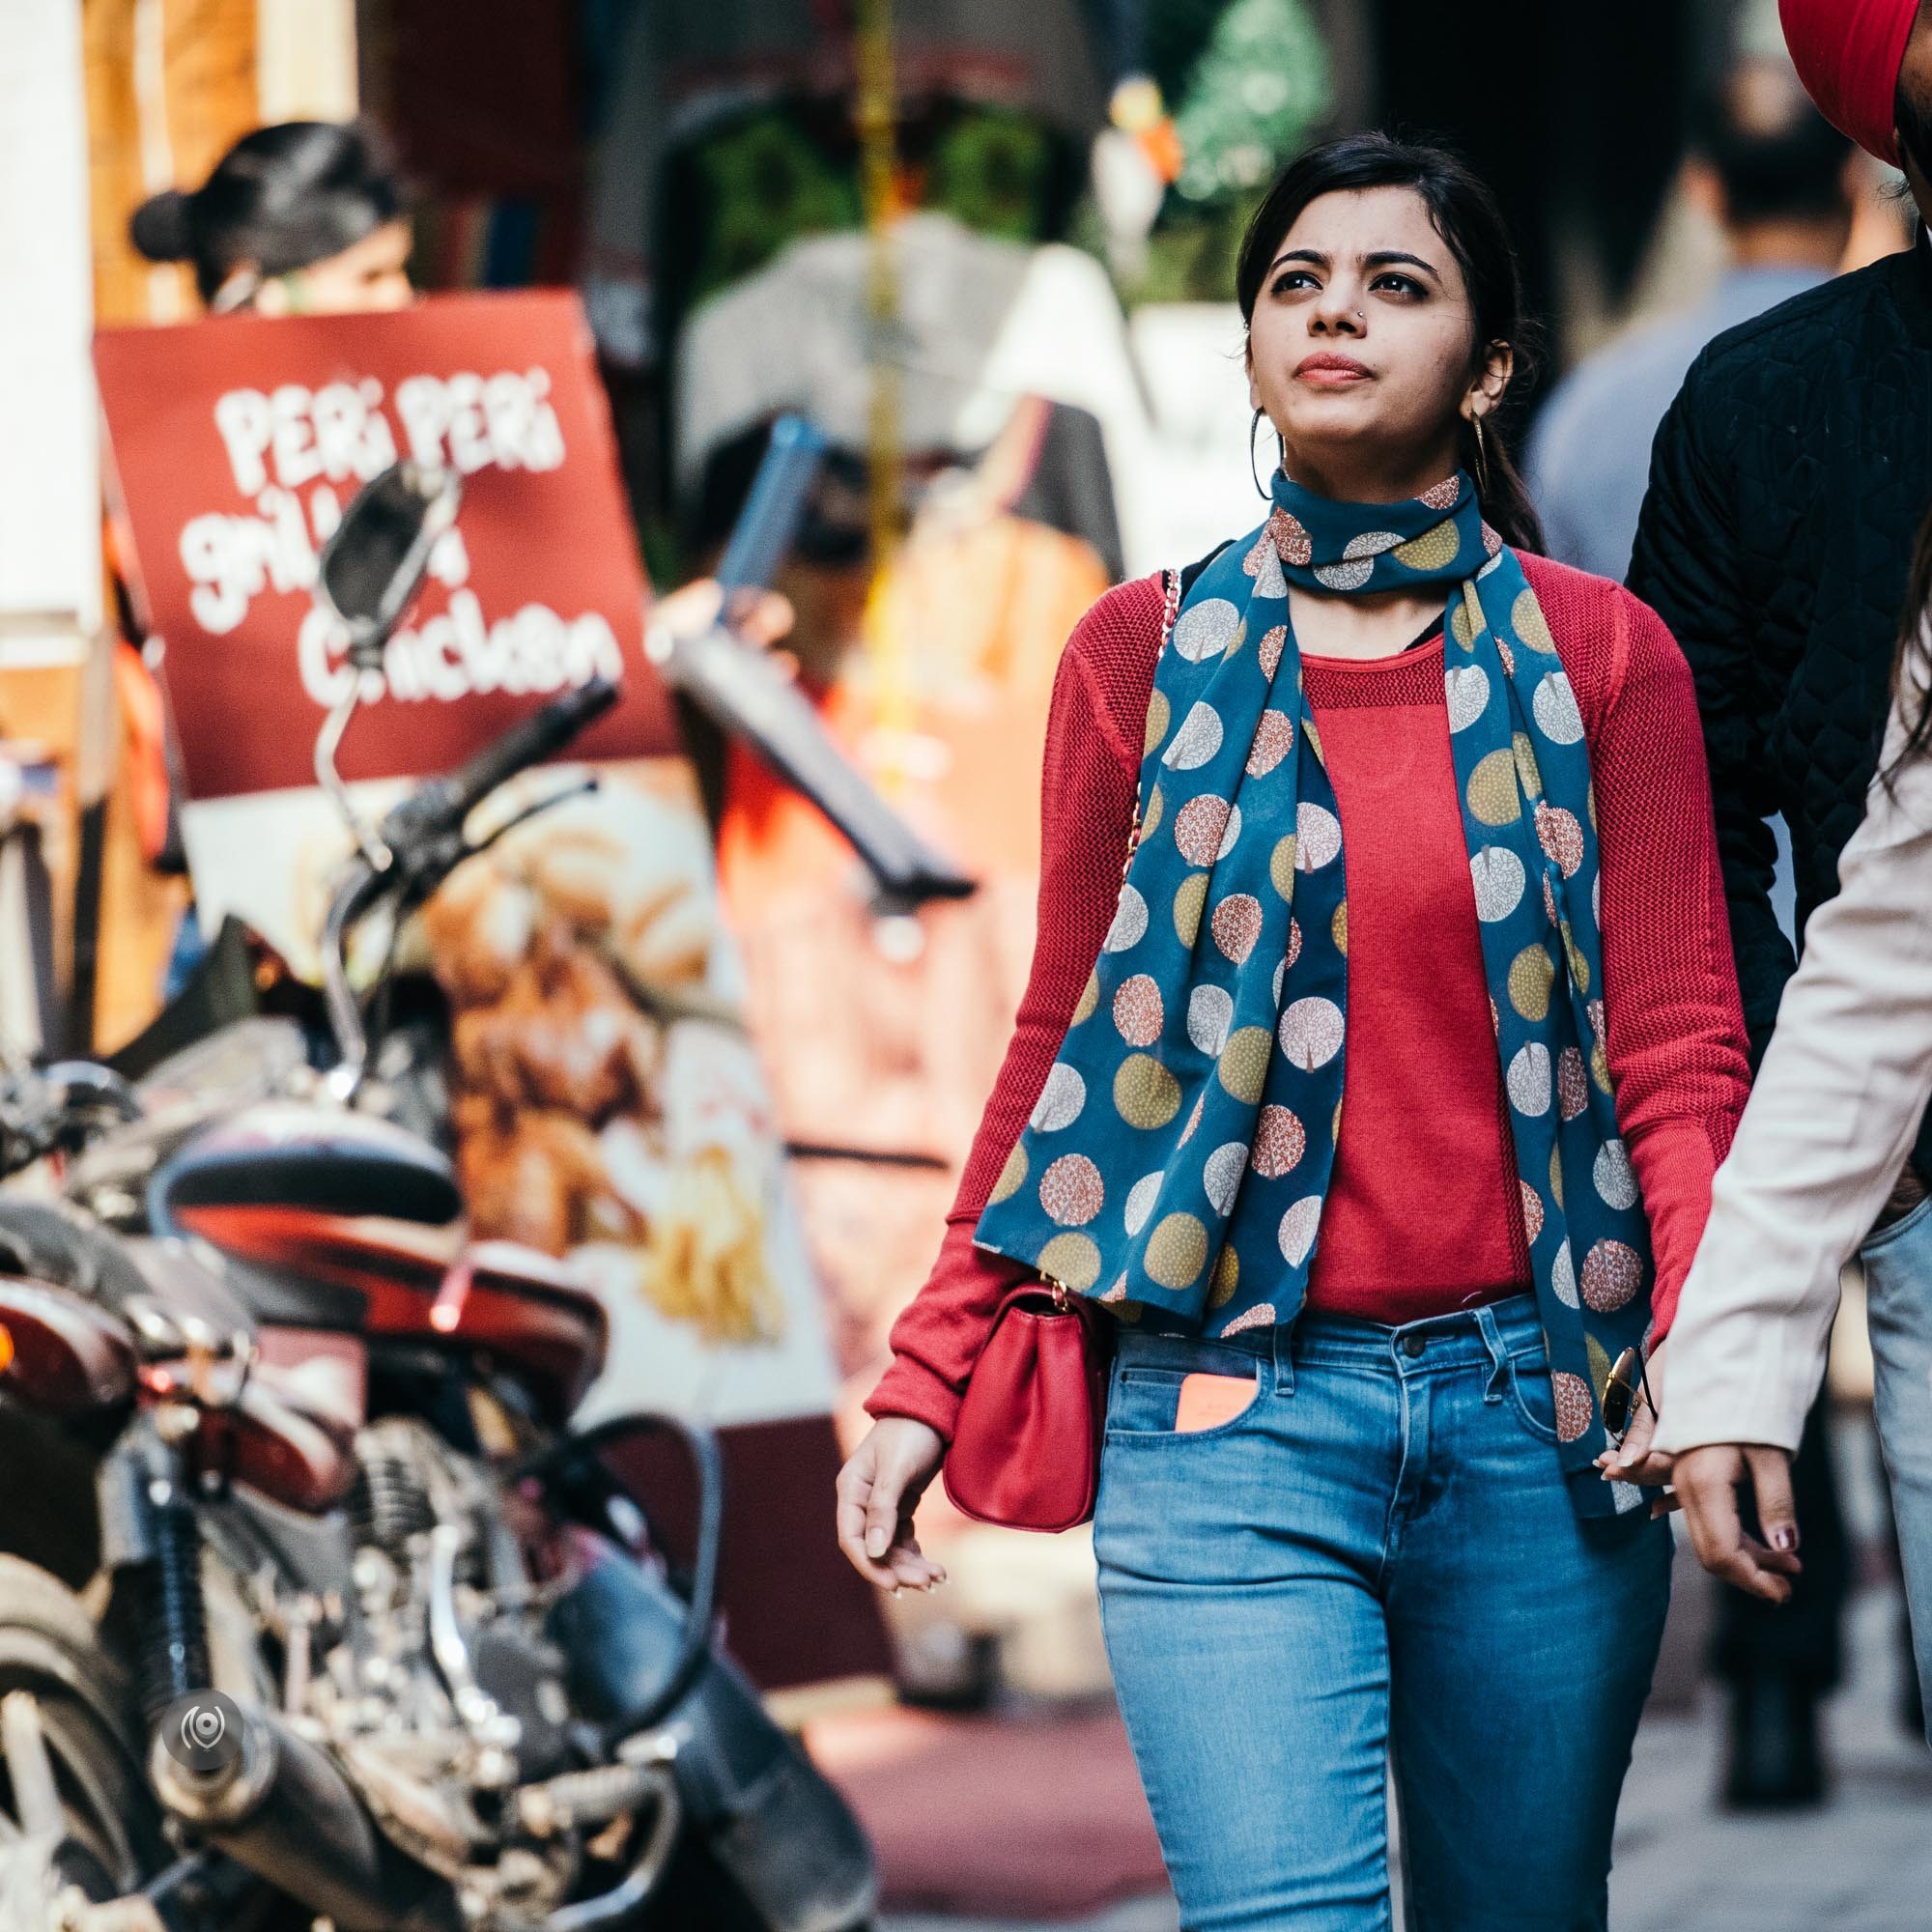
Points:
(1395, 796)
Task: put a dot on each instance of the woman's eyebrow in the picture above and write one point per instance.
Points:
(1388, 258)
(1314, 257)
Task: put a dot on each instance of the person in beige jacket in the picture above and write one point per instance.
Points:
(1833, 1113)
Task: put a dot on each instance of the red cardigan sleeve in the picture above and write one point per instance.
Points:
(1086, 814)
(1674, 1022)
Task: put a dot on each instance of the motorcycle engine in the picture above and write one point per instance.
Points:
(438, 1690)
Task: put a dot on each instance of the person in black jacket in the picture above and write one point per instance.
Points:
(1786, 484)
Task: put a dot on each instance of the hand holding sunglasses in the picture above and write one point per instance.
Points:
(1630, 1401)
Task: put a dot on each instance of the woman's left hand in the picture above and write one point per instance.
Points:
(1631, 1460)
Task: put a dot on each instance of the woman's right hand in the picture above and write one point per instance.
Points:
(878, 1489)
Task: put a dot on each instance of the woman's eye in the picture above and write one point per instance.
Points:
(1400, 285)
(1294, 279)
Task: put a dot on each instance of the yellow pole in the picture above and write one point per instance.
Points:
(885, 646)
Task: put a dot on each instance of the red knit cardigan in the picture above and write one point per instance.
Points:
(1676, 1038)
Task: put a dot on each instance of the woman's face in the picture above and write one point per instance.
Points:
(1362, 347)
(368, 276)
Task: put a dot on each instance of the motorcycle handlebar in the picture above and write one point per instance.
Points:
(435, 810)
(442, 804)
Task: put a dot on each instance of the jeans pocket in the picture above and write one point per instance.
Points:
(1143, 1402)
(1534, 1396)
(1897, 1230)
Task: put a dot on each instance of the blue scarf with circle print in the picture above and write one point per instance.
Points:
(1175, 1165)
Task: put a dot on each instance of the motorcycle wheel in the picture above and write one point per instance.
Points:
(48, 1646)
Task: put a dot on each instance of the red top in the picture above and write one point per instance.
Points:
(1423, 1214)
(1423, 1210)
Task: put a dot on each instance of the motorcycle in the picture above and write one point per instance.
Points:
(335, 1615)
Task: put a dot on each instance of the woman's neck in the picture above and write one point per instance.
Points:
(1371, 476)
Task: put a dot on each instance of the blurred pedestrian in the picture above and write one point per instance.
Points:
(1786, 484)
(306, 218)
(1782, 184)
(1347, 1498)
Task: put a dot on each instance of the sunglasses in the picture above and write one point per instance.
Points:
(1623, 1385)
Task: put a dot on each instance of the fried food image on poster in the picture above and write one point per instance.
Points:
(607, 1101)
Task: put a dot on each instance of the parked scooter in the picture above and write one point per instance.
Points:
(338, 1616)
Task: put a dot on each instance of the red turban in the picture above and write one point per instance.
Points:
(1848, 54)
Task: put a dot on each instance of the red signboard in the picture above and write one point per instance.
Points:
(238, 441)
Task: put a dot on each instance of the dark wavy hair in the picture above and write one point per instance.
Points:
(281, 198)
(1466, 216)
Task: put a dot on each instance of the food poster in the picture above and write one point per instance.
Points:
(883, 1035)
(608, 1105)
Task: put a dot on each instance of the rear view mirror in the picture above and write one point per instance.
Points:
(371, 566)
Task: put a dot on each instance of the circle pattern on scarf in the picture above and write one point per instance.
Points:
(1221, 1175)
(1244, 1065)
(1073, 1260)
(1280, 1141)
(1198, 827)
(1432, 550)
(1060, 1100)
(1532, 972)
(1204, 630)
(1298, 1231)
(1281, 867)
(1130, 923)
(1145, 1095)
(1616, 1181)
(1613, 1274)
(1141, 1197)
(1466, 688)
(1157, 719)
(1499, 880)
(1311, 1032)
(1071, 1190)
(1227, 1277)
(1532, 1211)
(1196, 742)
(1211, 1012)
(1089, 1000)
(1561, 836)
(1176, 1251)
(1318, 836)
(1274, 739)
(1555, 707)
(1527, 620)
(1236, 925)
(1137, 1011)
(1013, 1176)
(1188, 902)
(1492, 790)
(1575, 1406)
(1529, 1080)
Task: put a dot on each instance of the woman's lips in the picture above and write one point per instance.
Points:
(1330, 371)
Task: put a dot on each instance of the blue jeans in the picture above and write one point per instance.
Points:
(1376, 1559)
(1898, 1314)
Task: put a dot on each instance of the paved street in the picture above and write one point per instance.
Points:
(1865, 1864)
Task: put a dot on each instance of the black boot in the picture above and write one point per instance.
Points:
(1776, 1764)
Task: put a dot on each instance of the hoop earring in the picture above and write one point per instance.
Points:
(1482, 457)
(1260, 489)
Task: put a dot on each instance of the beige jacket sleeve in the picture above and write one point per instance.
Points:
(1833, 1113)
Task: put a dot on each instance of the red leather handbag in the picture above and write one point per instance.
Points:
(1026, 1447)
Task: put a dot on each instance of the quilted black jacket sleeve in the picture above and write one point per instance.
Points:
(1687, 568)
